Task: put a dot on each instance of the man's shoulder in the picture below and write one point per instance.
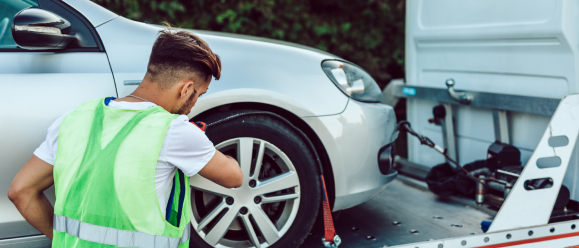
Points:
(181, 123)
(183, 130)
(91, 104)
(83, 109)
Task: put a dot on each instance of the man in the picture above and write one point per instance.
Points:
(119, 165)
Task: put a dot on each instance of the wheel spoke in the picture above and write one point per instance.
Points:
(264, 224)
(279, 198)
(203, 223)
(252, 235)
(244, 152)
(277, 183)
(203, 184)
(259, 160)
(219, 230)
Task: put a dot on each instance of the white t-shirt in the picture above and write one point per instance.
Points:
(185, 147)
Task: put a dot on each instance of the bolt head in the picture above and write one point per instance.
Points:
(229, 200)
(257, 200)
(252, 183)
(243, 210)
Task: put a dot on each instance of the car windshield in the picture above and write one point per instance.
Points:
(9, 8)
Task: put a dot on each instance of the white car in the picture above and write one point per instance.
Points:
(302, 109)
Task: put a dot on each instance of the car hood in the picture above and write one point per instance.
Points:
(260, 39)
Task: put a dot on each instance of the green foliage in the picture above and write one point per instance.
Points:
(369, 33)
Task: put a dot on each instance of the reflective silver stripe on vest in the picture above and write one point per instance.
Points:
(116, 237)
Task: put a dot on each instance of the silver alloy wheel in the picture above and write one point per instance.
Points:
(261, 226)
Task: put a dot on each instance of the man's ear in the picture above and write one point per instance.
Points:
(187, 88)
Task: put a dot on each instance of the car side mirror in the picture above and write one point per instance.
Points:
(37, 29)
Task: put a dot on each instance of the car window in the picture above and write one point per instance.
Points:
(9, 8)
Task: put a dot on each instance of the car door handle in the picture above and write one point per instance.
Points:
(132, 82)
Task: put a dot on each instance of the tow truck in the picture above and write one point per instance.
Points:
(478, 73)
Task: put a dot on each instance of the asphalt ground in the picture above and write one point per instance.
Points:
(405, 212)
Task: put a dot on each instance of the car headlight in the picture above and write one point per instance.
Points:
(352, 80)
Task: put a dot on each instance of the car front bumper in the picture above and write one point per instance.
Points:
(353, 140)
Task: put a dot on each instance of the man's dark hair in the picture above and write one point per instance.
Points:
(181, 54)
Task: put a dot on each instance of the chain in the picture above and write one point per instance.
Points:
(139, 98)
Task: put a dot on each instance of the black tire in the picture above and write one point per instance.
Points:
(272, 130)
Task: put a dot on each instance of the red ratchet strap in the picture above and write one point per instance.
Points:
(330, 239)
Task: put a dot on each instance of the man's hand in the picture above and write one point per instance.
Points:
(223, 170)
(27, 194)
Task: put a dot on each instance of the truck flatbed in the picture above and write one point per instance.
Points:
(409, 202)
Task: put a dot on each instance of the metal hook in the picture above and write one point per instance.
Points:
(337, 241)
(462, 97)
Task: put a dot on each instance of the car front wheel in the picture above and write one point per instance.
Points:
(279, 199)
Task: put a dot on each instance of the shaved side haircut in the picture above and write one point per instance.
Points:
(179, 55)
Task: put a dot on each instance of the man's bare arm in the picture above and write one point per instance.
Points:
(27, 194)
(223, 170)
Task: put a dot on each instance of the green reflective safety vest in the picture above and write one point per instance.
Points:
(104, 176)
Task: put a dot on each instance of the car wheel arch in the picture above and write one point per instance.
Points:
(230, 108)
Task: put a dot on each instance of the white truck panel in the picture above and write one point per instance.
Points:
(519, 47)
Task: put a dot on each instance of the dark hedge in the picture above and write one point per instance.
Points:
(369, 33)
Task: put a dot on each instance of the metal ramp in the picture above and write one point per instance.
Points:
(549, 160)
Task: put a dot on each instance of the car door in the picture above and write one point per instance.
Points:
(38, 86)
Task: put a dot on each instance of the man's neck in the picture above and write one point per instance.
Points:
(149, 92)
